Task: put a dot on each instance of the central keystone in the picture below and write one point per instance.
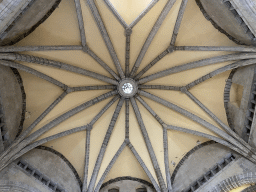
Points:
(127, 88)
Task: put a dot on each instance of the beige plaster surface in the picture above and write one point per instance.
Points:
(62, 29)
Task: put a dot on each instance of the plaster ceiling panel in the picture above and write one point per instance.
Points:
(193, 32)
(117, 36)
(115, 142)
(172, 117)
(124, 9)
(138, 142)
(40, 90)
(93, 35)
(161, 40)
(70, 78)
(98, 134)
(179, 141)
(155, 133)
(141, 31)
(209, 93)
(132, 167)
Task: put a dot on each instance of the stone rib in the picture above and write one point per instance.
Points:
(71, 131)
(69, 114)
(80, 22)
(112, 162)
(165, 126)
(96, 87)
(63, 66)
(43, 141)
(195, 64)
(196, 119)
(95, 119)
(116, 14)
(217, 48)
(33, 72)
(160, 121)
(105, 36)
(127, 51)
(235, 65)
(152, 63)
(104, 146)
(7, 49)
(166, 160)
(142, 164)
(160, 87)
(217, 120)
(47, 139)
(86, 160)
(173, 40)
(102, 63)
(7, 56)
(178, 21)
(151, 35)
(55, 122)
(213, 138)
(143, 13)
(149, 146)
(127, 134)
(165, 142)
(88, 136)
(33, 125)
(122, 21)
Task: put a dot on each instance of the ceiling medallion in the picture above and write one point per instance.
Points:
(127, 86)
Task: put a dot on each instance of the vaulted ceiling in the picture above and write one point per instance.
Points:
(62, 28)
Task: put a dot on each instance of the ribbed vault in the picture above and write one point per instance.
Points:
(86, 51)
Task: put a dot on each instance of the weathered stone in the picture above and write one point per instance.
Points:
(127, 184)
(238, 113)
(234, 18)
(45, 166)
(197, 163)
(25, 17)
(12, 103)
